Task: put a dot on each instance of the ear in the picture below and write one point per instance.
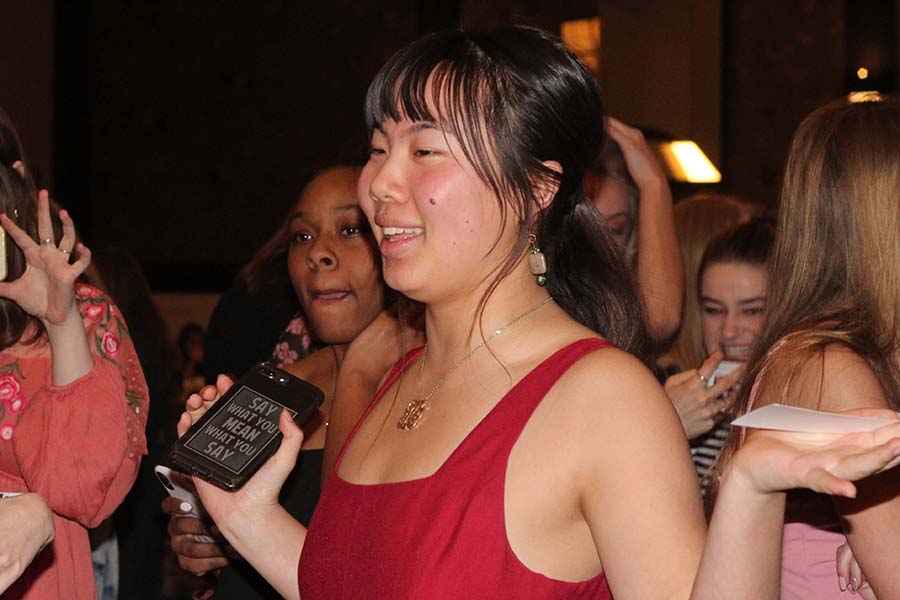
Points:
(19, 166)
(547, 188)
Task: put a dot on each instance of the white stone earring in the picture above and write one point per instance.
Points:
(537, 261)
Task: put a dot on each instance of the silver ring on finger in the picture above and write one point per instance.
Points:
(65, 252)
(47, 242)
(701, 377)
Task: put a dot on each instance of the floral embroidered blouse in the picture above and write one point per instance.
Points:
(77, 445)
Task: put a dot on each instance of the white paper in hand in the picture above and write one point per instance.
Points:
(789, 418)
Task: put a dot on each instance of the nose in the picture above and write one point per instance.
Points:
(731, 326)
(385, 184)
(322, 255)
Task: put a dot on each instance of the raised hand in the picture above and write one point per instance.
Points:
(194, 556)
(642, 164)
(46, 288)
(699, 407)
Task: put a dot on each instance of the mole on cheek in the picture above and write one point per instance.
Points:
(432, 201)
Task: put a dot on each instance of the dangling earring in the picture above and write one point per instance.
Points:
(537, 261)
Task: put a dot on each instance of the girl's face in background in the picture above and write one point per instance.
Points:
(732, 307)
(332, 259)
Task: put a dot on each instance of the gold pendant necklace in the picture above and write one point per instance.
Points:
(416, 408)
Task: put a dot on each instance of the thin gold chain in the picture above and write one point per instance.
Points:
(415, 408)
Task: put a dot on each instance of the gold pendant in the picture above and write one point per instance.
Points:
(411, 415)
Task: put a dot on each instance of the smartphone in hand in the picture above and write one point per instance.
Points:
(240, 432)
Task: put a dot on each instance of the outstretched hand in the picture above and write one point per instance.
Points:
(775, 461)
(46, 288)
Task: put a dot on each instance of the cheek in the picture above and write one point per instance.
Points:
(297, 270)
(712, 332)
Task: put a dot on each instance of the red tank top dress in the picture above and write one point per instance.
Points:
(442, 536)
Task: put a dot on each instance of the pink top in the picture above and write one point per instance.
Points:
(77, 445)
(811, 536)
(442, 536)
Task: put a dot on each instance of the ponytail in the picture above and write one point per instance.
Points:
(588, 274)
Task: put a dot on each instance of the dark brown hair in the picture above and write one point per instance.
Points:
(18, 200)
(516, 99)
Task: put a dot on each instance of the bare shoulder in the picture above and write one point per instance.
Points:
(611, 382)
(833, 378)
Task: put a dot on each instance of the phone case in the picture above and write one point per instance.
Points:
(240, 432)
(183, 491)
(3, 272)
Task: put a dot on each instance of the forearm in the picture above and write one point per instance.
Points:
(742, 556)
(660, 271)
(872, 525)
(69, 349)
(271, 541)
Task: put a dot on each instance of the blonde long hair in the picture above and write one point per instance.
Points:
(835, 268)
(698, 219)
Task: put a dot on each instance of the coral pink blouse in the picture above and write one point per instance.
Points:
(77, 445)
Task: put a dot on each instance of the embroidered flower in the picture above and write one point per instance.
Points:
(285, 354)
(110, 344)
(86, 291)
(9, 388)
(93, 311)
(17, 404)
(6, 432)
(297, 326)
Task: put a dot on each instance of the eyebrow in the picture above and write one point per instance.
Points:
(342, 208)
(740, 302)
(417, 127)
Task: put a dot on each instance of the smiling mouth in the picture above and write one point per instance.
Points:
(736, 351)
(399, 234)
(328, 295)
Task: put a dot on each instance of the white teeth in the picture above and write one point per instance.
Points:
(402, 230)
(736, 350)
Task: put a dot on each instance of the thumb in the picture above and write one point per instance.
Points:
(285, 458)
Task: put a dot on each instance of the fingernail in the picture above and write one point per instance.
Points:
(842, 583)
(186, 506)
(854, 585)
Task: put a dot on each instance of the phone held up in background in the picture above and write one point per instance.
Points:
(240, 432)
(725, 367)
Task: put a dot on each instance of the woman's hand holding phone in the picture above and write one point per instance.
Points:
(700, 407)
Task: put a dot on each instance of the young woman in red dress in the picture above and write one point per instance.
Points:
(525, 451)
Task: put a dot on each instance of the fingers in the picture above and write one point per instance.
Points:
(223, 384)
(820, 480)
(706, 370)
(84, 259)
(67, 242)
(18, 235)
(45, 225)
(843, 556)
(285, 458)
(176, 507)
(184, 423)
(856, 576)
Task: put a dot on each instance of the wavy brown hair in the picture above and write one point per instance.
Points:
(835, 267)
(18, 200)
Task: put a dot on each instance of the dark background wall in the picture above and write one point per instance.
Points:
(183, 130)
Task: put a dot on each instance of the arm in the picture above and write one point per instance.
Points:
(641, 498)
(749, 515)
(27, 526)
(250, 519)
(660, 271)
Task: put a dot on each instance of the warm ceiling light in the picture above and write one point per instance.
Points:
(582, 38)
(862, 73)
(685, 161)
(866, 96)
